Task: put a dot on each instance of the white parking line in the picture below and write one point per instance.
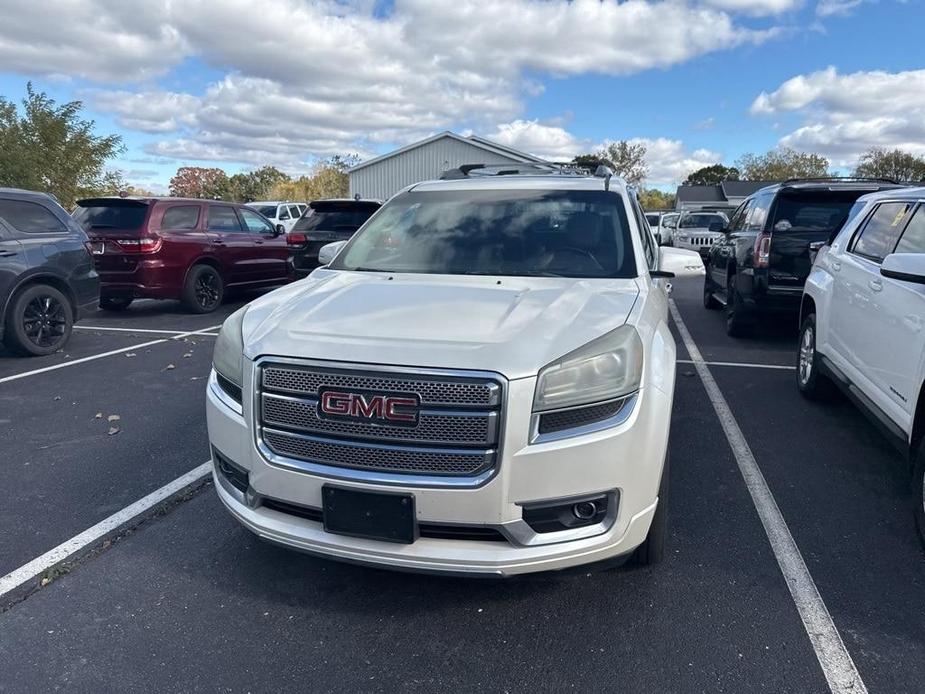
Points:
(837, 665)
(92, 357)
(107, 527)
(747, 365)
(129, 330)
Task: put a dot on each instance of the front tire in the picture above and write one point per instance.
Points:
(204, 289)
(39, 321)
(652, 551)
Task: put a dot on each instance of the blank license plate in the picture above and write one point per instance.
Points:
(375, 515)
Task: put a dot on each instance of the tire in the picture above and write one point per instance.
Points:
(918, 492)
(115, 303)
(204, 290)
(709, 301)
(652, 550)
(738, 323)
(39, 321)
(811, 382)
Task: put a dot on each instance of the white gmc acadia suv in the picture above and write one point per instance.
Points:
(479, 382)
(863, 321)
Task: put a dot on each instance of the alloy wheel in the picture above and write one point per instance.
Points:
(807, 354)
(44, 321)
(206, 290)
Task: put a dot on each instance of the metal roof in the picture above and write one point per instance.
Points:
(473, 140)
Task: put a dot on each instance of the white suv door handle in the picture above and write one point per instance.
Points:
(875, 285)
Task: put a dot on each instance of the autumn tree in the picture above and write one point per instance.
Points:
(781, 164)
(712, 175)
(894, 164)
(329, 179)
(254, 185)
(199, 182)
(50, 148)
(654, 199)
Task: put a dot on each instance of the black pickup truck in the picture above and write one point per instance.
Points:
(764, 256)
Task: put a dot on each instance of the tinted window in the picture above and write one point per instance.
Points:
(181, 217)
(758, 216)
(223, 218)
(267, 210)
(122, 215)
(295, 211)
(490, 232)
(691, 221)
(913, 238)
(254, 222)
(30, 217)
(335, 217)
(882, 230)
(819, 211)
(738, 218)
(652, 219)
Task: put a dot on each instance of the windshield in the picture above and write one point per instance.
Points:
(118, 215)
(349, 217)
(491, 232)
(266, 210)
(826, 211)
(699, 220)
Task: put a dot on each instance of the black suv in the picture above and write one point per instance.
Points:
(324, 222)
(47, 278)
(764, 256)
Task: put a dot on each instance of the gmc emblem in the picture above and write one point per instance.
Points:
(396, 409)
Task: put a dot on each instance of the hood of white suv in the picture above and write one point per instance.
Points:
(510, 325)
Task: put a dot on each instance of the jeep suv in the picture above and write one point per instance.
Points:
(47, 280)
(761, 260)
(862, 318)
(479, 382)
(176, 248)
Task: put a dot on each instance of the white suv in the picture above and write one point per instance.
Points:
(479, 382)
(285, 213)
(863, 321)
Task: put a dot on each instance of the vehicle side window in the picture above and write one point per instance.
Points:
(30, 217)
(295, 211)
(223, 218)
(283, 213)
(181, 217)
(881, 232)
(255, 223)
(738, 217)
(913, 238)
(758, 215)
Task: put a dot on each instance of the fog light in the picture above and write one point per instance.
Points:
(584, 510)
(563, 514)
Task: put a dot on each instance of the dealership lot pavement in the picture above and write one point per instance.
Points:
(192, 602)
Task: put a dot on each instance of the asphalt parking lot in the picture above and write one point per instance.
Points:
(190, 601)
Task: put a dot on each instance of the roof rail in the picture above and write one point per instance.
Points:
(513, 169)
(852, 179)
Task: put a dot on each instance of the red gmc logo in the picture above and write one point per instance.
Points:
(396, 409)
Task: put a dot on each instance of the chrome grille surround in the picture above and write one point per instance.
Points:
(454, 444)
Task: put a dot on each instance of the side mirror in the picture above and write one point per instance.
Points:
(679, 262)
(907, 267)
(328, 251)
(280, 230)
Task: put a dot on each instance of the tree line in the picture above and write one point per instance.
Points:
(49, 147)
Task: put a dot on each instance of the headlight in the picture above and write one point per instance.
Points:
(228, 357)
(604, 369)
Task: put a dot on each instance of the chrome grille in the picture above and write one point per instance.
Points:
(457, 431)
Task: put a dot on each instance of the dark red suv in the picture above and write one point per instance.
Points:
(175, 248)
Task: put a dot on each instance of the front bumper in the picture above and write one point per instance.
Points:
(624, 461)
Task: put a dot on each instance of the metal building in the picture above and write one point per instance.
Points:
(380, 178)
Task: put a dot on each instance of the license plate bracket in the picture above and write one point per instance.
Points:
(385, 516)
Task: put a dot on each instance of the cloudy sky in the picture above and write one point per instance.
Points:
(242, 83)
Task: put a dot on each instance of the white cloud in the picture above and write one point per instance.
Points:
(548, 141)
(309, 79)
(831, 8)
(670, 161)
(845, 115)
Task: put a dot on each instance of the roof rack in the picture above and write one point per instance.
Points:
(852, 179)
(528, 169)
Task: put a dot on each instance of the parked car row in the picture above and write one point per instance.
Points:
(113, 250)
(846, 258)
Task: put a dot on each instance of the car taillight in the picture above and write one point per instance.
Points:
(762, 249)
(296, 239)
(145, 244)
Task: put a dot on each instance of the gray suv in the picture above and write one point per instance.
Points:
(47, 278)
